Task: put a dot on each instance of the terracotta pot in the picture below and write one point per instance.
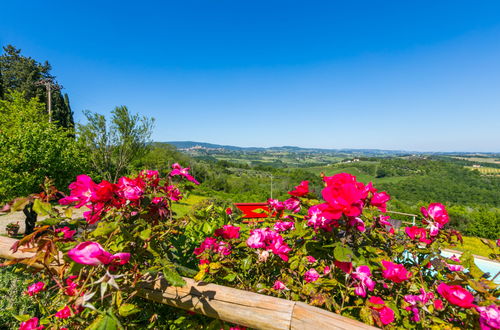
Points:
(12, 232)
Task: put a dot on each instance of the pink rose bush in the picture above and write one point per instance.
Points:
(343, 254)
(89, 263)
(334, 248)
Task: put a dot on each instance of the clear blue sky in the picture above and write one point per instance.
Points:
(413, 75)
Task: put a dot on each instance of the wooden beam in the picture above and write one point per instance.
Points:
(232, 305)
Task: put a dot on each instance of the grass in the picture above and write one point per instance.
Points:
(184, 205)
(475, 246)
(360, 175)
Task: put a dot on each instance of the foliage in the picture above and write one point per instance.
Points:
(20, 73)
(14, 302)
(33, 148)
(113, 146)
(343, 255)
(125, 240)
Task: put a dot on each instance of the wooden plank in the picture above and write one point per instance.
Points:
(241, 307)
(237, 306)
(305, 316)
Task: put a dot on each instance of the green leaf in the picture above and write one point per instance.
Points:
(68, 212)
(343, 254)
(42, 208)
(172, 276)
(22, 318)
(246, 263)
(128, 309)
(104, 229)
(104, 322)
(230, 277)
(49, 222)
(145, 234)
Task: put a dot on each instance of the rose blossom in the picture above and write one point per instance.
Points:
(278, 285)
(35, 288)
(385, 313)
(178, 170)
(292, 204)
(67, 233)
(456, 295)
(280, 226)
(63, 313)
(380, 200)
(81, 191)
(436, 212)
(311, 259)
(438, 304)
(300, 190)
(363, 277)
(345, 266)
(311, 275)
(395, 272)
(228, 232)
(31, 324)
(93, 254)
(489, 317)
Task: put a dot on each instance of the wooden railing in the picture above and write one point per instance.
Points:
(245, 308)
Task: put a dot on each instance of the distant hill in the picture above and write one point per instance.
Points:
(204, 145)
(354, 152)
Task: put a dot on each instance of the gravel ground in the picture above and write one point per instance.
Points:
(6, 218)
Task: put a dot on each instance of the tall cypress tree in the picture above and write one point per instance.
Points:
(21, 73)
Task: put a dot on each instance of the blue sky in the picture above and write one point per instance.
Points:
(413, 75)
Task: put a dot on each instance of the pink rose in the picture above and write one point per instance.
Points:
(35, 288)
(280, 226)
(395, 272)
(81, 191)
(489, 317)
(292, 204)
(173, 193)
(278, 285)
(363, 277)
(71, 286)
(31, 324)
(438, 304)
(184, 172)
(66, 232)
(385, 314)
(436, 212)
(300, 190)
(346, 267)
(455, 268)
(93, 254)
(229, 211)
(257, 239)
(358, 223)
(131, 189)
(380, 200)
(311, 275)
(311, 259)
(63, 313)
(228, 232)
(456, 295)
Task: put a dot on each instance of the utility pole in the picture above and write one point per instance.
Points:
(49, 86)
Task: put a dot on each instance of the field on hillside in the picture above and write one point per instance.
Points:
(359, 173)
(485, 170)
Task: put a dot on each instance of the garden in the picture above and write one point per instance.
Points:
(339, 253)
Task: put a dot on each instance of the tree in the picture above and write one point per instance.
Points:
(113, 146)
(21, 73)
(33, 148)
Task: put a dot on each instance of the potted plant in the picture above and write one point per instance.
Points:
(12, 229)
